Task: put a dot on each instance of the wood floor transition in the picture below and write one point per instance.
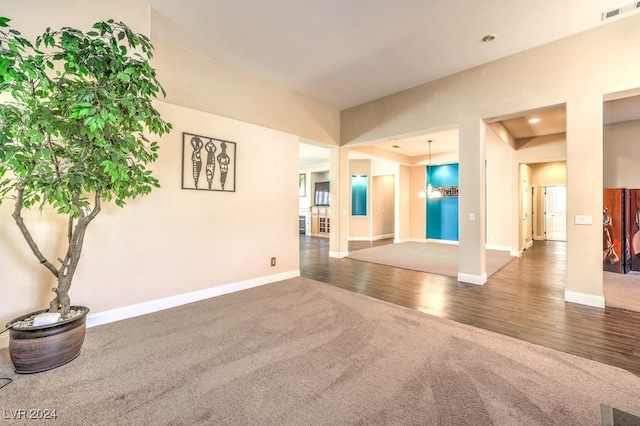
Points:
(525, 300)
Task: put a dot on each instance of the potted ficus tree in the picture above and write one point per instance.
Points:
(76, 118)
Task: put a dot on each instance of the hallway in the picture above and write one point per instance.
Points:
(524, 300)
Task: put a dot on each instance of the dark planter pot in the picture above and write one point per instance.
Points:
(42, 348)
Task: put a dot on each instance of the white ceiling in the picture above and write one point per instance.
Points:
(347, 52)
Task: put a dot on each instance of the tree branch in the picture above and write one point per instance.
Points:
(54, 157)
(17, 216)
(76, 240)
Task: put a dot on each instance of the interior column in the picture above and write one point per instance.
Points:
(584, 201)
(472, 255)
(339, 219)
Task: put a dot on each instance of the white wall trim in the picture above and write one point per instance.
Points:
(499, 248)
(409, 240)
(515, 253)
(451, 242)
(338, 254)
(584, 299)
(372, 238)
(131, 311)
(472, 279)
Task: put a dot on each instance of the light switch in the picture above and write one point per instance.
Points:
(472, 216)
(583, 220)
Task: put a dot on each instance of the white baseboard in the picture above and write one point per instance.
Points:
(451, 242)
(498, 248)
(584, 299)
(409, 240)
(182, 299)
(472, 279)
(338, 254)
(124, 312)
(372, 238)
(383, 236)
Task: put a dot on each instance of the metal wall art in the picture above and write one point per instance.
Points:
(208, 164)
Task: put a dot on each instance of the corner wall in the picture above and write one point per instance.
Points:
(177, 245)
(577, 72)
(174, 241)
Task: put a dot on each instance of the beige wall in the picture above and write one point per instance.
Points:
(383, 206)
(31, 17)
(177, 242)
(549, 174)
(600, 61)
(191, 80)
(543, 149)
(404, 216)
(500, 194)
(621, 155)
(417, 205)
(197, 82)
(173, 241)
(576, 72)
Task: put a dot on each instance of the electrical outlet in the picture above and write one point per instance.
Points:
(273, 261)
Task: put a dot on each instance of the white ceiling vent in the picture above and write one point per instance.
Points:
(619, 11)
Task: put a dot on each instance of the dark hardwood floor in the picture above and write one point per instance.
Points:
(525, 300)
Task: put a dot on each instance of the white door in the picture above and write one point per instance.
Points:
(524, 212)
(555, 213)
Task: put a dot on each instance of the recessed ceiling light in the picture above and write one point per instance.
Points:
(534, 120)
(489, 37)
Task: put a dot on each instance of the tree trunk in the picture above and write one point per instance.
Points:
(62, 302)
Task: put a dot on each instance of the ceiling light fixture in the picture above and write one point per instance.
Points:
(489, 37)
(429, 192)
(534, 120)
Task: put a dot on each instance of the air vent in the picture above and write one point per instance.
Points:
(612, 13)
(619, 11)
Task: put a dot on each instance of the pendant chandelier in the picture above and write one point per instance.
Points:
(429, 192)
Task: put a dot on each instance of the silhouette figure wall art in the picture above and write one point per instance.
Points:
(219, 163)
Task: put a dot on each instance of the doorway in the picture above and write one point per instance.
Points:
(383, 207)
(526, 226)
(555, 213)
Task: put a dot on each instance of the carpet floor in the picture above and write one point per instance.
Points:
(434, 258)
(622, 291)
(300, 352)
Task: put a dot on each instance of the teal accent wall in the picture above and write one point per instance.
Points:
(442, 213)
(359, 195)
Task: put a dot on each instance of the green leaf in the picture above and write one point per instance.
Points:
(73, 127)
(124, 77)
